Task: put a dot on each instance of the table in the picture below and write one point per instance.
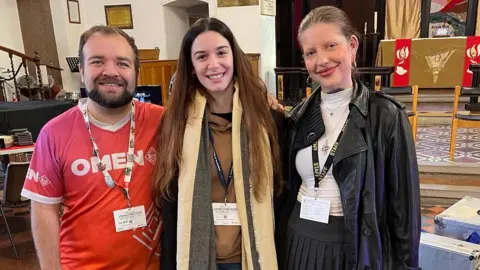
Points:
(435, 62)
(12, 155)
(32, 115)
(17, 150)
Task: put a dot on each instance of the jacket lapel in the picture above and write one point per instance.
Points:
(353, 141)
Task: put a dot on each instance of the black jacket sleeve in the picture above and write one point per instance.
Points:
(279, 118)
(403, 194)
(168, 237)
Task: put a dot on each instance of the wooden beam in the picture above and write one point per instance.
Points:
(425, 18)
(381, 8)
(471, 18)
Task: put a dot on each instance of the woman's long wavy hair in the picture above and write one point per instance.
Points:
(256, 114)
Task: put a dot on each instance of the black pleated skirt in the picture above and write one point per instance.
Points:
(315, 246)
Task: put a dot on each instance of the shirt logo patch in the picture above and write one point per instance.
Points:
(44, 180)
(151, 155)
(35, 176)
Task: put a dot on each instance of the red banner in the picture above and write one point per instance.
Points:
(472, 53)
(452, 5)
(403, 52)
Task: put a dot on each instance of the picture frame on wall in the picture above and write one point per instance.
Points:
(468, 26)
(74, 11)
(119, 16)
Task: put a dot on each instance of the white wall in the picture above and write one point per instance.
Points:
(148, 30)
(10, 36)
(268, 51)
(255, 35)
(148, 21)
(67, 36)
(177, 27)
(246, 31)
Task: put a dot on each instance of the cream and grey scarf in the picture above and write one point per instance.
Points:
(195, 227)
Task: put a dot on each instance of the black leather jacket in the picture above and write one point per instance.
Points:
(375, 167)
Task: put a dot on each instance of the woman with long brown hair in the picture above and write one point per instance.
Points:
(218, 161)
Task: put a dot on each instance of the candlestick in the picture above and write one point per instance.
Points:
(375, 22)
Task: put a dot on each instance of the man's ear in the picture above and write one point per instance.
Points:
(80, 68)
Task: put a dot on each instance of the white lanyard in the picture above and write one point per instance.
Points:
(130, 156)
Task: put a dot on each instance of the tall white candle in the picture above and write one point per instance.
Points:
(375, 22)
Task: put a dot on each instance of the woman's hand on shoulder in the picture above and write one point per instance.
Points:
(274, 104)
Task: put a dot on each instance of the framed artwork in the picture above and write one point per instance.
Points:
(119, 16)
(73, 11)
(448, 18)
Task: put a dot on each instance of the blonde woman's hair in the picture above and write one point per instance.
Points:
(328, 14)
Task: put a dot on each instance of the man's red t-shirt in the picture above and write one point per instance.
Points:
(64, 169)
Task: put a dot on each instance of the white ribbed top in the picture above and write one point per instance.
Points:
(328, 188)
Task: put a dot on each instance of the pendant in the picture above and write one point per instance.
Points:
(101, 166)
(325, 148)
(109, 181)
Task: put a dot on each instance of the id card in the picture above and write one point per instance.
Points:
(225, 214)
(315, 209)
(130, 218)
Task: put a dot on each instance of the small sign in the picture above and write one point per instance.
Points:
(268, 7)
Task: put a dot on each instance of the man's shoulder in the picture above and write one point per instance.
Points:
(150, 111)
(63, 122)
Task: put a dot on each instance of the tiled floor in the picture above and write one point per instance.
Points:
(433, 144)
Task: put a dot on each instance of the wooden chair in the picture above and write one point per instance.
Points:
(462, 120)
(10, 195)
(402, 91)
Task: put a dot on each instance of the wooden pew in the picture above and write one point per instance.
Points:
(157, 72)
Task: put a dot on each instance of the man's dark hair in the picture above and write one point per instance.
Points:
(107, 30)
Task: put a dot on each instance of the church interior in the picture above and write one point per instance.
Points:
(424, 53)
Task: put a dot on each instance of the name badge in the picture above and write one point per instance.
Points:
(225, 214)
(130, 218)
(315, 209)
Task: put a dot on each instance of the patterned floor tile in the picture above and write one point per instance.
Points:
(433, 144)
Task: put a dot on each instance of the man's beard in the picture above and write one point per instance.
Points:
(112, 103)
